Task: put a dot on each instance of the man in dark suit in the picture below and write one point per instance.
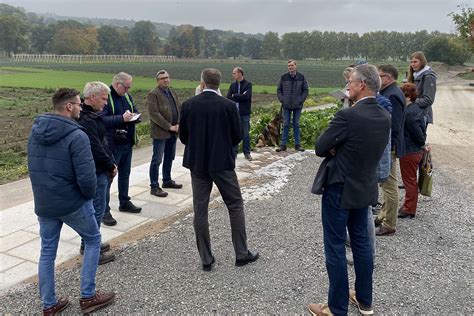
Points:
(352, 146)
(210, 128)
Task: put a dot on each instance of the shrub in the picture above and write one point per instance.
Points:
(448, 50)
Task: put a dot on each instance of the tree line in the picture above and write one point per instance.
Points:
(22, 32)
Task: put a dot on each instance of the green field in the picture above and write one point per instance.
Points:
(27, 77)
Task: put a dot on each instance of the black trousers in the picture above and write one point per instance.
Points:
(229, 189)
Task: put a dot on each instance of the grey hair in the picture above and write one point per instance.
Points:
(121, 77)
(211, 77)
(94, 88)
(370, 75)
(160, 72)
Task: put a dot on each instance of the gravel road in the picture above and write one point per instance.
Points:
(425, 268)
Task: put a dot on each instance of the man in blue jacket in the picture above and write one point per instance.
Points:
(240, 91)
(118, 117)
(63, 179)
(292, 91)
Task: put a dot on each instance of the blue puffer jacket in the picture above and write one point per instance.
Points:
(384, 166)
(61, 167)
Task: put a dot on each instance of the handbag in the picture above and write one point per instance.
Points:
(425, 177)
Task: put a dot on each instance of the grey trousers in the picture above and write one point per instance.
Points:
(226, 182)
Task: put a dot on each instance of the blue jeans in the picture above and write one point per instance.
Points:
(335, 220)
(83, 221)
(123, 158)
(166, 148)
(286, 126)
(100, 198)
(370, 230)
(245, 121)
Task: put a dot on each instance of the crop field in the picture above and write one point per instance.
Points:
(25, 92)
(322, 75)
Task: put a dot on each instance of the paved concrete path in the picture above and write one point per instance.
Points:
(19, 228)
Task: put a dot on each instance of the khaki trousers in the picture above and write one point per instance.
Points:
(390, 196)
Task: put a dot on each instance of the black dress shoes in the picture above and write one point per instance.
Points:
(129, 208)
(403, 214)
(208, 267)
(172, 185)
(158, 192)
(108, 219)
(251, 257)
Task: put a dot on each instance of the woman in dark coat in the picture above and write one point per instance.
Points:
(415, 137)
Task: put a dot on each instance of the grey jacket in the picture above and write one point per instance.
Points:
(292, 91)
(426, 87)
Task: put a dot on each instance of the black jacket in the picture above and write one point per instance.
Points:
(95, 129)
(426, 87)
(397, 99)
(359, 135)
(210, 128)
(113, 117)
(244, 97)
(292, 91)
(415, 128)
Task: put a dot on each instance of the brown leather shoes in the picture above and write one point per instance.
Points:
(319, 310)
(158, 192)
(99, 300)
(378, 222)
(61, 305)
(384, 231)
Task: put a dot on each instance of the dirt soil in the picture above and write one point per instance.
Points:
(451, 134)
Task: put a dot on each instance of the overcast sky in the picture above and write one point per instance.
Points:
(261, 16)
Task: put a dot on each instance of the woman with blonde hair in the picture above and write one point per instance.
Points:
(424, 78)
(414, 137)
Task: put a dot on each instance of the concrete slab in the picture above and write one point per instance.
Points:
(126, 221)
(16, 218)
(17, 274)
(31, 251)
(15, 239)
(7, 262)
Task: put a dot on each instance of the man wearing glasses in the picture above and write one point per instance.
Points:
(121, 136)
(164, 107)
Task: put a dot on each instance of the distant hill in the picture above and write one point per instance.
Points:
(162, 28)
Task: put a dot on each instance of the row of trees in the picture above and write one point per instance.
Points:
(26, 32)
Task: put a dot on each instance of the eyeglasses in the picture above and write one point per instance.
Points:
(351, 81)
(381, 76)
(163, 78)
(125, 87)
(74, 103)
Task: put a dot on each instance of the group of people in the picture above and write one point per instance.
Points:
(379, 123)
(75, 152)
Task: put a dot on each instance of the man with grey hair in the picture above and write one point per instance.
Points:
(121, 136)
(163, 106)
(352, 146)
(210, 128)
(95, 98)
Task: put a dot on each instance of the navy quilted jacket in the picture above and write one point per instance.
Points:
(61, 166)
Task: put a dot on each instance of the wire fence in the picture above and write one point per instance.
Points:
(84, 59)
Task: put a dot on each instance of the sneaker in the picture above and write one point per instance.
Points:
(108, 220)
(129, 207)
(158, 192)
(99, 300)
(364, 310)
(248, 157)
(106, 258)
(103, 248)
(282, 148)
(172, 185)
(61, 305)
(299, 148)
(319, 310)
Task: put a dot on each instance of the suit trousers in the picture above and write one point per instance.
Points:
(389, 211)
(226, 182)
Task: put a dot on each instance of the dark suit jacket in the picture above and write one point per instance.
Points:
(359, 134)
(209, 127)
(244, 97)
